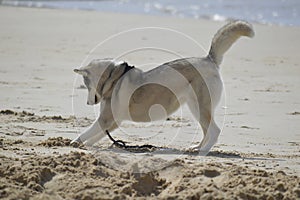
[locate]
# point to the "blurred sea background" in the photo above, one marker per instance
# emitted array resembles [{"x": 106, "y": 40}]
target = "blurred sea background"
[{"x": 278, "y": 12}]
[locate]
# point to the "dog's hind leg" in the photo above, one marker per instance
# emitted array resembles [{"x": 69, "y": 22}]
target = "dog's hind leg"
[
  {"x": 211, "y": 136},
  {"x": 202, "y": 109},
  {"x": 210, "y": 129}
]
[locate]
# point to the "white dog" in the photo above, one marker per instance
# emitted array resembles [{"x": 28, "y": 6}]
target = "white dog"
[{"x": 127, "y": 93}]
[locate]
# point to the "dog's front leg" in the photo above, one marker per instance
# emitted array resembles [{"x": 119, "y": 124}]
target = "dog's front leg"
[
  {"x": 97, "y": 131},
  {"x": 99, "y": 136},
  {"x": 93, "y": 130}
]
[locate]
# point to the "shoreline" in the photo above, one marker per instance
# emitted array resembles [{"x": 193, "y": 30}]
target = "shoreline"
[{"x": 213, "y": 17}]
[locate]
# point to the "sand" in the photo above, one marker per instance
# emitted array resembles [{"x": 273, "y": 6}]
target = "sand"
[{"x": 43, "y": 106}]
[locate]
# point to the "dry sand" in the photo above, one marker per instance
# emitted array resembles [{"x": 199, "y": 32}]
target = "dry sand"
[{"x": 43, "y": 107}]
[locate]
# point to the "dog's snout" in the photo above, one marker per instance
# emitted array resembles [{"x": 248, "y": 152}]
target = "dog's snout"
[{"x": 92, "y": 101}]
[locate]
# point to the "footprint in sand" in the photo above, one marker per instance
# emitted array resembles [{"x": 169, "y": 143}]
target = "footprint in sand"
[{"x": 211, "y": 173}]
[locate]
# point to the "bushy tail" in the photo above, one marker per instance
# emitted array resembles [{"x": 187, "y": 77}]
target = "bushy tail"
[{"x": 226, "y": 36}]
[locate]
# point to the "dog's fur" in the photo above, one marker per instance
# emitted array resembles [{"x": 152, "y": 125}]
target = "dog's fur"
[{"x": 127, "y": 93}]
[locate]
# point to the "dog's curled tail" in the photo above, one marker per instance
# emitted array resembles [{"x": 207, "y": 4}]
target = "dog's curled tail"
[{"x": 226, "y": 36}]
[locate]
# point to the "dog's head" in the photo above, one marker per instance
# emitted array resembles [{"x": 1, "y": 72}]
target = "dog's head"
[{"x": 100, "y": 77}]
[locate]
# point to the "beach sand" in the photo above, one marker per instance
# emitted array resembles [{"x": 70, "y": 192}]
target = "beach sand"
[{"x": 43, "y": 107}]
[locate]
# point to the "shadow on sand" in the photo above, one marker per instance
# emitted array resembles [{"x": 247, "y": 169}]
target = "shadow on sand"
[{"x": 173, "y": 151}]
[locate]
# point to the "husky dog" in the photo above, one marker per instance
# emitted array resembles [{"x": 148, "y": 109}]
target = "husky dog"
[{"x": 128, "y": 93}]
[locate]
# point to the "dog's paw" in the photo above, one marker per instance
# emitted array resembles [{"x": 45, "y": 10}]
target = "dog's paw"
[
  {"x": 76, "y": 140},
  {"x": 192, "y": 149},
  {"x": 197, "y": 149}
]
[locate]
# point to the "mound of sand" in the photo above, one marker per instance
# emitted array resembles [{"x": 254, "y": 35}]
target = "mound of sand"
[{"x": 79, "y": 175}]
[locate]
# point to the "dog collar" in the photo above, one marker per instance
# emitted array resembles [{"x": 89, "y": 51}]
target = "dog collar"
[{"x": 127, "y": 68}]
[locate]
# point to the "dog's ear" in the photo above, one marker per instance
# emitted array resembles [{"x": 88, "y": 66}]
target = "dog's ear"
[
  {"x": 115, "y": 74},
  {"x": 81, "y": 72}
]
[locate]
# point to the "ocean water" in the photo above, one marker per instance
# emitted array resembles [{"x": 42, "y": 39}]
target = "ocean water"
[{"x": 279, "y": 12}]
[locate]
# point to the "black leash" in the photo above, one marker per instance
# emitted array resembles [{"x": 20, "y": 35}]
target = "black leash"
[{"x": 138, "y": 148}]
